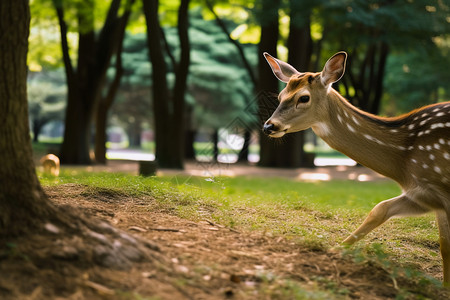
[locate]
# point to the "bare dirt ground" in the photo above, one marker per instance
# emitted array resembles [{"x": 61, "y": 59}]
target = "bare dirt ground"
[{"x": 193, "y": 260}]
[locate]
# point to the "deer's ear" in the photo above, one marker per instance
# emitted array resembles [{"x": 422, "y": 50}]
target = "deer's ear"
[
  {"x": 334, "y": 69},
  {"x": 283, "y": 71}
]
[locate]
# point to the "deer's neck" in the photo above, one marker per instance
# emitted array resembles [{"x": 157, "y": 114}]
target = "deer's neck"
[{"x": 377, "y": 143}]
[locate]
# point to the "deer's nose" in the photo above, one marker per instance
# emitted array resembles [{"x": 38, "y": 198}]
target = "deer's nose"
[{"x": 268, "y": 128}]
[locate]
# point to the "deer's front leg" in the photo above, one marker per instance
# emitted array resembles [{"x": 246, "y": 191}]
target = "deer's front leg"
[
  {"x": 398, "y": 206},
  {"x": 444, "y": 240}
]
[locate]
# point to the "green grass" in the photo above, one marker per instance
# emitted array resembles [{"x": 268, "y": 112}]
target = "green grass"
[{"x": 329, "y": 210}]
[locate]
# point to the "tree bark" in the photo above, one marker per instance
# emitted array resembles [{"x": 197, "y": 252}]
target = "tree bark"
[
  {"x": 266, "y": 81},
  {"x": 23, "y": 204},
  {"x": 169, "y": 112}
]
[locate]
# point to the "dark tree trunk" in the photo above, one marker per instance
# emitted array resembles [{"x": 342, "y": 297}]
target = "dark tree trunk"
[
  {"x": 85, "y": 83},
  {"x": 23, "y": 204},
  {"x": 288, "y": 152},
  {"x": 243, "y": 154},
  {"x": 106, "y": 102},
  {"x": 37, "y": 127},
  {"x": 168, "y": 111},
  {"x": 215, "y": 140},
  {"x": 266, "y": 81},
  {"x": 189, "y": 150},
  {"x": 101, "y": 121}
]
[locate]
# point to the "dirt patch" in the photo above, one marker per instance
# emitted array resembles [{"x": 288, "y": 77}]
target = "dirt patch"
[{"x": 195, "y": 260}]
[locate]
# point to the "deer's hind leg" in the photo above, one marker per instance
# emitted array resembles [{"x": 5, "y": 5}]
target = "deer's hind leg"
[
  {"x": 444, "y": 239},
  {"x": 383, "y": 211}
]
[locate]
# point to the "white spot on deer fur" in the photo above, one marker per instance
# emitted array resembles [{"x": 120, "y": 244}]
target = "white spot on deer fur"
[
  {"x": 437, "y": 125},
  {"x": 421, "y": 147},
  {"x": 410, "y": 127},
  {"x": 369, "y": 137},
  {"x": 427, "y": 131},
  {"x": 321, "y": 129},
  {"x": 424, "y": 115},
  {"x": 401, "y": 148},
  {"x": 437, "y": 169},
  {"x": 436, "y": 109},
  {"x": 423, "y": 122},
  {"x": 446, "y": 156},
  {"x": 425, "y": 166},
  {"x": 51, "y": 228},
  {"x": 432, "y": 157},
  {"x": 420, "y": 133},
  {"x": 379, "y": 142},
  {"x": 414, "y": 161},
  {"x": 429, "y": 147},
  {"x": 410, "y": 147},
  {"x": 355, "y": 120},
  {"x": 340, "y": 118},
  {"x": 394, "y": 130},
  {"x": 351, "y": 128},
  {"x": 440, "y": 114},
  {"x": 437, "y": 146},
  {"x": 447, "y": 124},
  {"x": 442, "y": 141}
]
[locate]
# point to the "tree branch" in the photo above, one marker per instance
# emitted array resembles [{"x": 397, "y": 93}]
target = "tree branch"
[
  {"x": 64, "y": 44},
  {"x": 224, "y": 28}
]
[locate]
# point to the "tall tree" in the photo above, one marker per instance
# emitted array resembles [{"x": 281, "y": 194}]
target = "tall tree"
[
  {"x": 169, "y": 104},
  {"x": 86, "y": 81},
  {"x": 268, "y": 18},
  {"x": 23, "y": 204},
  {"x": 25, "y": 211}
]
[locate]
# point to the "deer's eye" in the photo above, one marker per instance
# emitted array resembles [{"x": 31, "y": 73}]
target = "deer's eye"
[{"x": 303, "y": 99}]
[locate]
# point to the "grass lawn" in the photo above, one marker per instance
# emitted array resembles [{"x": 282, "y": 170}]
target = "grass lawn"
[{"x": 318, "y": 214}]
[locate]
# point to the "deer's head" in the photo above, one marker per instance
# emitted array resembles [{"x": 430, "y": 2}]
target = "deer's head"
[{"x": 303, "y": 100}]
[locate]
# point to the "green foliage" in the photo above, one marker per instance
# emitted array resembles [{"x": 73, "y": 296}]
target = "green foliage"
[
  {"x": 218, "y": 81},
  {"x": 414, "y": 79}
]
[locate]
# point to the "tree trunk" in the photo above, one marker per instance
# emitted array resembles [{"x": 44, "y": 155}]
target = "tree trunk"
[
  {"x": 266, "y": 81},
  {"x": 22, "y": 202},
  {"x": 106, "y": 102},
  {"x": 85, "y": 83},
  {"x": 101, "y": 120},
  {"x": 168, "y": 111},
  {"x": 215, "y": 140},
  {"x": 189, "y": 149},
  {"x": 287, "y": 153},
  {"x": 243, "y": 154}
]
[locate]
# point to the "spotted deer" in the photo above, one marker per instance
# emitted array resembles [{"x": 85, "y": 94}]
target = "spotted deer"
[{"x": 412, "y": 149}]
